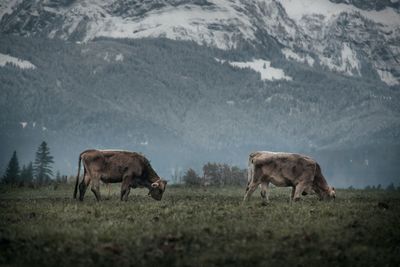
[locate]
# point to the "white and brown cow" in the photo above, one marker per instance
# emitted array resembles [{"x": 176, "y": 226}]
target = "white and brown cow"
[{"x": 300, "y": 172}]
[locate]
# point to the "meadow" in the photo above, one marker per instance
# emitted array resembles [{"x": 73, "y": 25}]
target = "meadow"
[{"x": 198, "y": 227}]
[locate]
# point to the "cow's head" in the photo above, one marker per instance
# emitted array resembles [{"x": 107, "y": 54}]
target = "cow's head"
[
  {"x": 157, "y": 189},
  {"x": 332, "y": 192},
  {"x": 327, "y": 194}
]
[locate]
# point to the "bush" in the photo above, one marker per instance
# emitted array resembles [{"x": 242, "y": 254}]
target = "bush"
[
  {"x": 223, "y": 174},
  {"x": 391, "y": 187},
  {"x": 191, "y": 178}
]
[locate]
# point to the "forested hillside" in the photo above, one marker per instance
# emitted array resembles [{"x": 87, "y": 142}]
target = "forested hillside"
[{"x": 180, "y": 105}]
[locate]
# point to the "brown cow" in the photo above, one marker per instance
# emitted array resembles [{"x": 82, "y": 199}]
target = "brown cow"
[
  {"x": 300, "y": 172},
  {"x": 113, "y": 166}
]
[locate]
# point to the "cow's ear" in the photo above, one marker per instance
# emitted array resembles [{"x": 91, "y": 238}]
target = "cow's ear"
[
  {"x": 155, "y": 185},
  {"x": 333, "y": 188}
]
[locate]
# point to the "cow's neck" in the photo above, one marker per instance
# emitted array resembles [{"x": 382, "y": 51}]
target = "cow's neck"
[
  {"x": 152, "y": 176},
  {"x": 321, "y": 187}
]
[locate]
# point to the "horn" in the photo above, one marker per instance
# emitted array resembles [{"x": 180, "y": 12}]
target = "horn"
[{"x": 155, "y": 185}]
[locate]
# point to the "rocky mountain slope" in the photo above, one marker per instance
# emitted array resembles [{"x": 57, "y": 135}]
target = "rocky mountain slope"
[{"x": 357, "y": 38}]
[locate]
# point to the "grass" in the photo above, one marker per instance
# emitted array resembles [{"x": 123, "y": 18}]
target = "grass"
[{"x": 198, "y": 227}]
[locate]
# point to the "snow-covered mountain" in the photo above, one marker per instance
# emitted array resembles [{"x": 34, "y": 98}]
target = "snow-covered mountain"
[{"x": 356, "y": 38}]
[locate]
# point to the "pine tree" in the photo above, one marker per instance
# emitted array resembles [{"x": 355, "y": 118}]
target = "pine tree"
[
  {"x": 22, "y": 174},
  {"x": 11, "y": 175},
  {"x": 27, "y": 174},
  {"x": 42, "y": 165}
]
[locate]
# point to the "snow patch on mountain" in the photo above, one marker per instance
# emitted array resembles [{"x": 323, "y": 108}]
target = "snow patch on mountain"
[
  {"x": 23, "y": 64},
  {"x": 106, "y": 57},
  {"x": 297, "y": 9},
  {"x": 342, "y": 35},
  {"x": 119, "y": 57},
  {"x": 7, "y": 6},
  {"x": 347, "y": 62},
  {"x": 291, "y": 55},
  {"x": 264, "y": 68},
  {"x": 388, "y": 77},
  {"x": 188, "y": 22},
  {"x": 144, "y": 143}
]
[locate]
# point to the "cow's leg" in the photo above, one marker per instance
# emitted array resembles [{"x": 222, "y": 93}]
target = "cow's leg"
[
  {"x": 126, "y": 194},
  {"x": 251, "y": 187},
  {"x": 125, "y": 188},
  {"x": 292, "y": 194},
  {"x": 108, "y": 186},
  {"x": 254, "y": 181},
  {"x": 264, "y": 192},
  {"x": 306, "y": 182},
  {"x": 109, "y": 190},
  {"x": 83, "y": 186},
  {"x": 300, "y": 187},
  {"x": 96, "y": 188}
]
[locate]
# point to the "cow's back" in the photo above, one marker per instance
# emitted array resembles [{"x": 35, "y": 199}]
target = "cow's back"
[
  {"x": 283, "y": 169},
  {"x": 284, "y": 158},
  {"x": 124, "y": 161},
  {"x": 93, "y": 160},
  {"x": 112, "y": 165}
]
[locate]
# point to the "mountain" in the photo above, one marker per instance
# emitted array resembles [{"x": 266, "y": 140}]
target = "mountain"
[
  {"x": 357, "y": 38},
  {"x": 187, "y": 82},
  {"x": 185, "y": 109}
]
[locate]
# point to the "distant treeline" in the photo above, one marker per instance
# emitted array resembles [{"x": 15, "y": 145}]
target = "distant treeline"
[
  {"x": 390, "y": 187},
  {"x": 219, "y": 174},
  {"x": 215, "y": 174},
  {"x": 39, "y": 173}
]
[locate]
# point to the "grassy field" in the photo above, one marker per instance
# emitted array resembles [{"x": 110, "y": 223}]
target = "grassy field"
[{"x": 198, "y": 227}]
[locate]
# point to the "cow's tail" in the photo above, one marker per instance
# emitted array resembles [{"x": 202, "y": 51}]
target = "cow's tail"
[
  {"x": 77, "y": 176},
  {"x": 250, "y": 176},
  {"x": 250, "y": 169}
]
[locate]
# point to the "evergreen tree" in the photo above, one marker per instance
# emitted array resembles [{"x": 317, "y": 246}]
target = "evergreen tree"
[
  {"x": 42, "y": 165},
  {"x": 11, "y": 175},
  {"x": 27, "y": 174}
]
